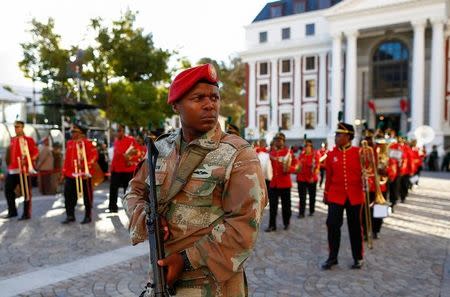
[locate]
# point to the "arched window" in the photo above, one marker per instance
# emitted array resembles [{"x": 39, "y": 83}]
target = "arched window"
[{"x": 390, "y": 70}]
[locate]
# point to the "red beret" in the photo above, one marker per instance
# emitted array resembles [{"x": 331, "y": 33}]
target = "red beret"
[{"x": 184, "y": 81}]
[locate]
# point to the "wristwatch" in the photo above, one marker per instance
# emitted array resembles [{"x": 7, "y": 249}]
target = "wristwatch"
[{"x": 187, "y": 264}]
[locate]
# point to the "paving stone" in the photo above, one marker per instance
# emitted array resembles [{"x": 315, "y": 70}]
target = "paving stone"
[{"x": 410, "y": 259}]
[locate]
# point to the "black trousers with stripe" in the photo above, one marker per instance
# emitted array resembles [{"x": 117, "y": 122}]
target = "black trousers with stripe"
[
  {"x": 11, "y": 182},
  {"x": 335, "y": 220},
  {"x": 70, "y": 196}
]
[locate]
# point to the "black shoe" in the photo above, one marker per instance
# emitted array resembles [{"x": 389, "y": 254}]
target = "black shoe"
[
  {"x": 68, "y": 220},
  {"x": 8, "y": 216},
  {"x": 375, "y": 235},
  {"x": 301, "y": 215},
  {"x": 286, "y": 227},
  {"x": 357, "y": 264},
  {"x": 22, "y": 218},
  {"x": 112, "y": 210},
  {"x": 86, "y": 221},
  {"x": 270, "y": 229},
  {"x": 329, "y": 263},
  {"x": 311, "y": 214}
]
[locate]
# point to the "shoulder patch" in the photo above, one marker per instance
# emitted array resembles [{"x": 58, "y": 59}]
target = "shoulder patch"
[{"x": 235, "y": 141}]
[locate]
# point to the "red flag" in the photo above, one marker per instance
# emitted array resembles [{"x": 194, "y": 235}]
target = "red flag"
[
  {"x": 404, "y": 106},
  {"x": 371, "y": 104}
]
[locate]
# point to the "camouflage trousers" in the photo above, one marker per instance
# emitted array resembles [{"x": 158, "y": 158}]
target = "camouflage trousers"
[{"x": 236, "y": 286}]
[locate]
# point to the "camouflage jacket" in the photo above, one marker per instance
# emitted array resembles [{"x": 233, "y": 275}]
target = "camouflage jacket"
[{"x": 215, "y": 218}]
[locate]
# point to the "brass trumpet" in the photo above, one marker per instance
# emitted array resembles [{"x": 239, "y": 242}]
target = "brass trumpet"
[{"x": 287, "y": 161}]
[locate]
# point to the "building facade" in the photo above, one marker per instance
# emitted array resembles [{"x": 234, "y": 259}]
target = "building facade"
[{"x": 383, "y": 63}]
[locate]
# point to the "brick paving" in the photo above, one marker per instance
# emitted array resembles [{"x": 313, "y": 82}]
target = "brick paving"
[{"x": 412, "y": 257}]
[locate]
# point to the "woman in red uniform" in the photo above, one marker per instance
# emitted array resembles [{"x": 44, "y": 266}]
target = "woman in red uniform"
[{"x": 308, "y": 166}]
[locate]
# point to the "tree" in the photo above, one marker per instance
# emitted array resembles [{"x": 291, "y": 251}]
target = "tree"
[
  {"x": 232, "y": 89},
  {"x": 122, "y": 71}
]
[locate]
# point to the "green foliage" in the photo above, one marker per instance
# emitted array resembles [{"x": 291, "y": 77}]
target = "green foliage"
[
  {"x": 122, "y": 72},
  {"x": 232, "y": 90}
]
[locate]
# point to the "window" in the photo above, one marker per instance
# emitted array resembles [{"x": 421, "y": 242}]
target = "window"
[
  {"x": 286, "y": 66},
  {"x": 299, "y": 6},
  {"x": 310, "y": 91},
  {"x": 276, "y": 10},
  {"x": 310, "y": 120},
  {"x": 310, "y": 63},
  {"x": 310, "y": 30},
  {"x": 263, "y": 92},
  {"x": 286, "y": 33},
  {"x": 390, "y": 70},
  {"x": 286, "y": 121},
  {"x": 263, "y": 68},
  {"x": 286, "y": 90},
  {"x": 263, "y": 122},
  {"x": 262, "y": 37}
]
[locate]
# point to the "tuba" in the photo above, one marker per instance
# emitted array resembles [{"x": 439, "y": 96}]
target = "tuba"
[{"x": 382, "y": 161}]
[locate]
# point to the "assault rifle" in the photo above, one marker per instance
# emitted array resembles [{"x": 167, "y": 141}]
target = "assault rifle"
[{"x": 155, "y": 233}]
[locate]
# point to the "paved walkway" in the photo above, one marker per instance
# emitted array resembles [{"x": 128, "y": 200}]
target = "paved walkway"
[{"x": 412, "y": 257}]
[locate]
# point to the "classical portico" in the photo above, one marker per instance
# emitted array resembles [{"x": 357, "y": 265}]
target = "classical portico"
[{"x": 352, "y": 20}]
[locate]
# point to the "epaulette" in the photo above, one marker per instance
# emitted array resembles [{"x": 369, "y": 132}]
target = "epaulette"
[{"x": 236, "y": 141}]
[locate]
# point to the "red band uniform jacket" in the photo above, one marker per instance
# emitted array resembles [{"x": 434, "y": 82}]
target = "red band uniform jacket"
[
  {"x": 71, "y": 155},
  {"x": 15, "y": 152},
  {"x": 308, "y": 167},
  {"x": 343, "y": 176},
  {"x": 119, "y": 163},
  {"x": 281, "y": 179}
]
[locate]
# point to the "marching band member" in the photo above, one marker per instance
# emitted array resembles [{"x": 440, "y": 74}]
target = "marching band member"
[
  {"x": 308, "y": 166},
  {"x": 395, "y": 159},
  {"x": 381, "y": 166},
  {"x": 122, "y": 165},
  {"x": 416, "y": 160},
  {"x": 22, "y": 152},
  {"x": 344, "y": 190},
  {"x": 283, "y": 164},
  {"x": 405, "y": 168},
  {"x": 80, "y": 156}
]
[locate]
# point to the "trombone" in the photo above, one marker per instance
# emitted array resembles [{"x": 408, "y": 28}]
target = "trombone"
[
  {"x": 23, "y": 178},
  {"x": 370, "y": 168},
  {"x": 80, "y": 161},
  {"x": 23, "y": 170}
]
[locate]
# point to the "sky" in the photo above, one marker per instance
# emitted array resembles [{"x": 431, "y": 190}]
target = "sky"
[{"x": 196, "y": 28}]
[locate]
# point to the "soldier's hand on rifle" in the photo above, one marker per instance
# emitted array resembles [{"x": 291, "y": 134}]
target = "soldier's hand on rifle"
[
  {"x": 175, "y": 265},
  {"x": 165, "y": 228}
]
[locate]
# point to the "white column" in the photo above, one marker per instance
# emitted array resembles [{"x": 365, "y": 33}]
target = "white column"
[
  {"x": 350, "y": 78},
  {"x": 297, "y": 95},
  {"x": 252, "y": 96},
  {"x": 437, "y": 76},
  {"x": 322, "y": 90},
  {"x": 336, "y": 81},
  {"x": 274, "y": 95},
  {"x": 417, "y": 103}
]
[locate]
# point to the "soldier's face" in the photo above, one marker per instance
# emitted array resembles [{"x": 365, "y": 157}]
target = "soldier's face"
[
  {"x": 199, "y": 108},
  {"x": 341, "y": 139}
]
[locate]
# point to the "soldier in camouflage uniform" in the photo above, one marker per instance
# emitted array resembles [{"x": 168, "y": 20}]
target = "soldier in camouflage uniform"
[{"x": 214, "y": 219}]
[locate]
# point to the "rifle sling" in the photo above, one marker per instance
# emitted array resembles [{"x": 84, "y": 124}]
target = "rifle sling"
[{"x": 195, "y": 157}]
